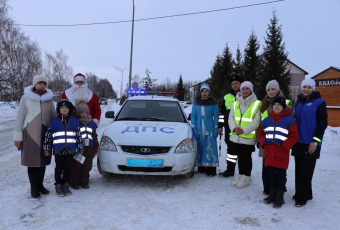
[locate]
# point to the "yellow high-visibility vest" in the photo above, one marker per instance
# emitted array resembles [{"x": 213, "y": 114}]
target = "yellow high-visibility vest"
[
  {"x": 246, "y": 118},
  {"x": 229, "y": 100}
]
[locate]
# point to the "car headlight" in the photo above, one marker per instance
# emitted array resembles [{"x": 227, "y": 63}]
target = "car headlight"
[
  {"x": 107, "y": 144},
  {"x": 185, "y": 146}
]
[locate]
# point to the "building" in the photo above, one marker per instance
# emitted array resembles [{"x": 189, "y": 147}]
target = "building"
[
  {"x": 328, "y": 84},
  {"x": 297, "y": 76}
]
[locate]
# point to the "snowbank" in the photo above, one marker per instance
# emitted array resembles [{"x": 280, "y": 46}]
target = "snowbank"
[{"x": 8, "y": 111}]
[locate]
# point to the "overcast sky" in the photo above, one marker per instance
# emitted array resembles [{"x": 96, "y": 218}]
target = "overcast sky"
[{"x": 181, "y": 45}]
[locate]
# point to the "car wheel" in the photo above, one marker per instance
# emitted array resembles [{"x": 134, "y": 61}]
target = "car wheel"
[
  {"x": 190, "y": 174},
  {"x": 101, "y": 171}
]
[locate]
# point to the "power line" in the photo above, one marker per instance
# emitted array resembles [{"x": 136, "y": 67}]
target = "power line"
[{"x": 154, "y": 18}]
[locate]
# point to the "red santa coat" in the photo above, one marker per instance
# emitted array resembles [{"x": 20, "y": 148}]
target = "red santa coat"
[
  {"x": 92, "y": 102},
  {"x": 278, "y": 155}
]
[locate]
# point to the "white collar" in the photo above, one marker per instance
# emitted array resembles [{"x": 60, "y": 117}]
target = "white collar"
[{"x": 28, "y": 92}]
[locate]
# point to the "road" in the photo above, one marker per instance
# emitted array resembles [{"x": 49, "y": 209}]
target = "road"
[{"x": 9, "y": 155}]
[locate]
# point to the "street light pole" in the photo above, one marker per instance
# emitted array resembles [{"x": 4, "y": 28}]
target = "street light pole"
[
  {"x": 133, "y": 20},
  {"x": 121, "y": 84}
]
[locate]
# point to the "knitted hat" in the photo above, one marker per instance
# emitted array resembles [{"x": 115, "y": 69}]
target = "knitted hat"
[
  {"x": 235, "y": 78},
  {"x": 38, "y": 78},
  {"x": 82, "y": 106},
  {"x": 309, "y": 82},
  {"x": 205, "y": 86},
  {"x": 64, "y": 102},
  {"x": 280, "y": 100},
  {"x": 247, "y": 84},
  {"x": 79, "y": 77},
  {"x": 273, "y": 84}
]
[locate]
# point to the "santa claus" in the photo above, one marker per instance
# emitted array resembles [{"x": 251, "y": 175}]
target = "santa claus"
[{"x": 80, "y": 90}]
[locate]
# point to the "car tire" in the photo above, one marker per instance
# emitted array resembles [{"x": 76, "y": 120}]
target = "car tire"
[
  {"x": 101, "y": 171},
  {"x": 190, "y": 174}
]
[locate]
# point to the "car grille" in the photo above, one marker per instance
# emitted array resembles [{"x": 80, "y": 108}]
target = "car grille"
[
  {"x": 145, "y": 150},
  {"x": 144, "y": 169}
]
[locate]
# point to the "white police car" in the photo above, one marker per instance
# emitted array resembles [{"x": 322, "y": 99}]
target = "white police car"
[{"x": 150, "y": 135}]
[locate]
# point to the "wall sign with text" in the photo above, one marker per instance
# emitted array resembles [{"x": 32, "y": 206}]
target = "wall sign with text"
[{"x": 328, "y": 82}]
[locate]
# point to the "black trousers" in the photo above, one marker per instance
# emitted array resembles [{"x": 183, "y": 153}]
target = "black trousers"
[
  {"x": 231, "y": 154},
  {"x": 277, "y": 178},
  {"x": 304, "y": 170},
  {"x": 245, "y": 162},
  {"x": 265, "y": 177},
  {"x": 62, "y": 168}
]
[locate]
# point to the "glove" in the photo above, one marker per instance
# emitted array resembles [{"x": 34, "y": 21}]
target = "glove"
[
  {"x": 215, "y": 133},
  {"x": 195, "y": 133}
]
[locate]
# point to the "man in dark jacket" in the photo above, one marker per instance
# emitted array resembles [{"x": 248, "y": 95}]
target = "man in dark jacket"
[{"x": 227, "y": 103}]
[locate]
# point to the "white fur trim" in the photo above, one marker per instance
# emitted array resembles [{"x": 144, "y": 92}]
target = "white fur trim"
[
  {"x": 79, "y": 78},
  {"x": 96, "y": 121},
  {"x": 36, "y": 97},
  {"x": 70, "y": 96}
]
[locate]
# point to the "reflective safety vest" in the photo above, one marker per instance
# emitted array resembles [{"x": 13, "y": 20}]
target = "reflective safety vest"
[
  {"x": 278, "y": 132},
  {"x": 87, "y": 130},
  {"x": 246, "y": 118},
  {"x": 64, "y": 137},
  {"x": 229, "y": 100},
  {"x": 265, "y": 113}
]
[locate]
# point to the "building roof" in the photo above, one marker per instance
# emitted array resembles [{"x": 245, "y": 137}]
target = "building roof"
[
  {"x": 306, "y": 73},
  {"x": 332, "y": 67}
]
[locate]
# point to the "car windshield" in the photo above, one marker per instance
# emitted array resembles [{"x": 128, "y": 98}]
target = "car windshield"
[{"x": 167, "y": 111}]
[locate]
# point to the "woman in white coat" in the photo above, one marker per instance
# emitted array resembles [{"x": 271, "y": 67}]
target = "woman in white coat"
[{"x": 244, "y": 120}]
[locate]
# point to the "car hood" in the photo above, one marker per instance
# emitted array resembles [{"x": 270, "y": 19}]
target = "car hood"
[{"x": 148, "y": 133}]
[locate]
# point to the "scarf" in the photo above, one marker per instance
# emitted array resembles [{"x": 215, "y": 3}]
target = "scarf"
[
  {"x": 207, "y": 101},
  {"x": 85, "y": 120}
]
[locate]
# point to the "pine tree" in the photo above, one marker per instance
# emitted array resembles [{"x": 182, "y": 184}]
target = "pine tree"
[
  {"x": 238, "y": 68},
  {"x": 180, "y": 89},
  {"x": 274, "y": 59},
  {"x": 251, "y": 63},
  {"x": 220, "y": 73}
]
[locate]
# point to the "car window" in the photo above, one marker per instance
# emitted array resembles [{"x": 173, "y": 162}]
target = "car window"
[{"x": 167, "y": 111}]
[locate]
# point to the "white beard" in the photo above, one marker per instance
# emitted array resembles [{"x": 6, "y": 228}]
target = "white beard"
[{"x": 80, "y": 91}]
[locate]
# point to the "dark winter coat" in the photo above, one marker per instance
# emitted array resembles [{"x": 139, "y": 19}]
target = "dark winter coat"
[
  {"x": 304, "y": 121},
  {"x": 278, "y": 155},
  {"x": 34, "y": 114}
]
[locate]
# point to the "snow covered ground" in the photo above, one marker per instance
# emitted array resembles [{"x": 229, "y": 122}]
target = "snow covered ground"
[{"x": 137, "y": 202}]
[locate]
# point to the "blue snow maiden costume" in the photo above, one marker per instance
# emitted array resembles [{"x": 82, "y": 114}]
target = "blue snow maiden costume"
[{"x": 204, "y": 121}]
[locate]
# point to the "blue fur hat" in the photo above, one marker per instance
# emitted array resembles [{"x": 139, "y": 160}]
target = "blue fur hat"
[{"x": 205, "y": 86}]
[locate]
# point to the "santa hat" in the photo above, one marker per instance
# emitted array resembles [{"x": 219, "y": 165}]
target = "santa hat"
[{"x": 79, "y": 77}]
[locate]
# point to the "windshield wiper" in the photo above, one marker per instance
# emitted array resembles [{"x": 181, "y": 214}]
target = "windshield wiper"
[
  {"x": 152, "y": 119},
  {"x": 128, "y": 118}
]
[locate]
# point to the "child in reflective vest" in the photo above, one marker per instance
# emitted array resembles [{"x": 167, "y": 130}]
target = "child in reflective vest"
[
  {"x": 277, "y": 135},
  {"x": 80, "y": 172},
  {"x": 63, "y": 137}
]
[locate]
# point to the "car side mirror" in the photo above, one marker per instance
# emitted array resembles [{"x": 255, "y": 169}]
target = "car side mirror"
[
  {"x": 189, "y": 117},
  {"x": 110, "y": 114}
]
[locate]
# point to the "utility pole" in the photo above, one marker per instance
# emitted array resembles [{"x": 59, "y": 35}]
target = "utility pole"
[
  {"x": 121, "y": 83},
  {"x": 133, "y": 20}
]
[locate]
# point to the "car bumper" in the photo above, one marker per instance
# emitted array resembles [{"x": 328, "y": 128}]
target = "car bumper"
[{"x": 173, "y": 163}]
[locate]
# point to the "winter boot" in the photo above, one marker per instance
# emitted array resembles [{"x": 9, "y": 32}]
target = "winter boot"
[
  {"x": 201, "y": 169},
  {"x": 237, "y": 179},
  {"x": 59, "y": 190},
  {"x": 85, "y": 186},
  {"x": 244, "y": 182},
  {"x": 67, "y": 191},
  {"x": 226, "y": 174},
  {"x": 40, "y": 177},
  {"x": 33, "y": 181},
  {"x": 270, "y": 199},
  {"x": 279, "y": 199}
]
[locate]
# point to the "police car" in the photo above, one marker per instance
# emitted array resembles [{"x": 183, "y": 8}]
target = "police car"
[{"x": 150, "y": 135}]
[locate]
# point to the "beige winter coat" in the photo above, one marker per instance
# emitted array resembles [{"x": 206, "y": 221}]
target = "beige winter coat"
[
  {"x": 244, "y": 104},
  {"x": 34, "y": 114}
]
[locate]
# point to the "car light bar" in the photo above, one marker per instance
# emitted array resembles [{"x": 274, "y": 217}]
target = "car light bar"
[{"x": 152, "y": 92}]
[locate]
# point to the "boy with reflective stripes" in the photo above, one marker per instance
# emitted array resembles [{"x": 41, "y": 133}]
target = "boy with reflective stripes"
[
  {"x": 80, "y": 173},
  {"x": 63, "y": 136},
  {"x": 277, "y": 135}
]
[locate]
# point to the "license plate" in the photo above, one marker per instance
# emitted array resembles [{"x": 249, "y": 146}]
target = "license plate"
[{"x": 144, "y": 163}]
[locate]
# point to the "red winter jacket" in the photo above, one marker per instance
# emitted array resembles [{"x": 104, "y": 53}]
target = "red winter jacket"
[
  {"x": 92, "y": 102},
  {"x": 276, "y": 155}
]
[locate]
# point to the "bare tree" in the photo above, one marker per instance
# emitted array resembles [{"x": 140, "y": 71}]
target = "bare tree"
[{"x": 92, "y": 81}]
